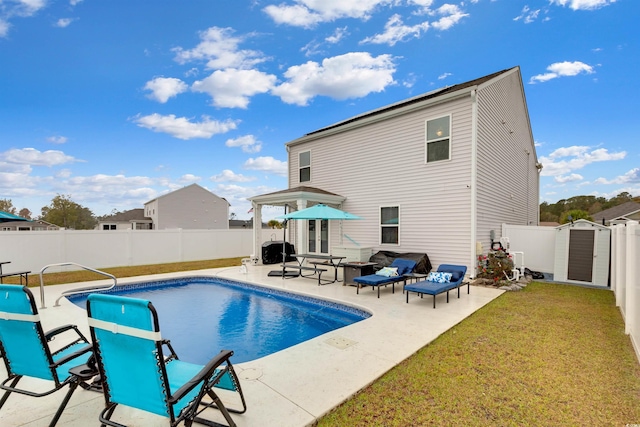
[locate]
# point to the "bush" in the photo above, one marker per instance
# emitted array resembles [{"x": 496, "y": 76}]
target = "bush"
[{"x": 496, "y": 266}]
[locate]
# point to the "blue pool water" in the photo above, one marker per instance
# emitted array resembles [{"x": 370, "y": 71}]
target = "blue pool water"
[{"x": 203, "y": 315}]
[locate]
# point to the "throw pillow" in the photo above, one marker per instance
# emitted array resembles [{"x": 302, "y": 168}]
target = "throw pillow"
[
  {"x": 439, "y": 277},
  {"x": 387, "y": 272}
]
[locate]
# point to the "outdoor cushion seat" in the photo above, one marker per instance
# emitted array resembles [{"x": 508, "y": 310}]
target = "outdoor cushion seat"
[
  {"x": 24, "y": 347},
  {"x": 433, "y": 287},
  {"x": 404, "y": 266}
]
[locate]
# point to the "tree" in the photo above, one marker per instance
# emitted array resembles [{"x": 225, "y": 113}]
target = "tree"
[
  {"x": 6, "y": 205},
  {"x": 575, "y": 214},
  {"x": 25, "y": 213},
  {"x": 64, "y": 212},
  {"x": 273, "y": 223},
  {"x": 232, "y": 215}
]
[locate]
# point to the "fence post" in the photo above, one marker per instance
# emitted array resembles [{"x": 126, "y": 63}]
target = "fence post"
[{"x": 630, "y": 276}]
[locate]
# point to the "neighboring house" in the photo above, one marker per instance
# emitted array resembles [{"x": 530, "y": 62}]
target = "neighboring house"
[
  {"x": 30, "y": 225},
  {"x": 435, "y": 173},
  {"x": 618, "y": 214},
  {"x": 133, "y": 219},
  {"x": 191, "y": 207}
]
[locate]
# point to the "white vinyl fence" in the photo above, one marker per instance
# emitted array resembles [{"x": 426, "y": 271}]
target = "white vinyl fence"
[
  {"x": 32, "y": 250},
  {"x": 537, "y": 243},
  {"x": 625, "y": 276}
]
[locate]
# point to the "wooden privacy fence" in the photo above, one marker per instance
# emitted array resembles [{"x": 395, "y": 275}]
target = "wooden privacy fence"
[{"x": 625, "y": 276}]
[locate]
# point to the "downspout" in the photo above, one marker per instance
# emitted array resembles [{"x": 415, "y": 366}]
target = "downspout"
[{"x": 473, "y": 183}]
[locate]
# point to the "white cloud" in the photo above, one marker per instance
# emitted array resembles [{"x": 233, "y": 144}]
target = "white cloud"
[
  {"x": 583, "y": 4},
  {"x": 220, "y": 49},
  {"x": 451, "y": 15},
  {"x": 231, "y": 88},
  {"x": 163, "y": 88},
  {"x": 563, "y": 179},
  {"x": 248, "y": 143},
  {"x": 563, "y": 69},
  {"x": 396, "y": 31},
  {"x": 267, "y": 164},
  {"x": 308, "y": 13},
  {"x": 184, "y": 128},
  {"x": 4, "y": 27},
  {"x": 64, "y": 22},
  {"x": 527, "y": 15},
  {"x": 352, "y": 75},
  {"x": 631, "y": 177},
  {"x": 189, "y": 178},
  {"x": 57, "y": 139},
  {"x": 21, "y": 8},
  {"x": 31, "y": 156},
  {"x": 337, "y": 35},
  {"x": 444, "y": 76},
  {"x": 228, "y": 175},
  {"x": 556, "y": 163}
]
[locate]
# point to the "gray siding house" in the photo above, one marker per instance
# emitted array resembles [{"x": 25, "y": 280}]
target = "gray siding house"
[
  {"x": 435, "y": 173},
  {"x": 191, "y": 207},
  {"x": 133, "y": 219}
]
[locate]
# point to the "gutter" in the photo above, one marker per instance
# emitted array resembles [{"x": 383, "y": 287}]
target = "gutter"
[{"x": 474, "y": 180}]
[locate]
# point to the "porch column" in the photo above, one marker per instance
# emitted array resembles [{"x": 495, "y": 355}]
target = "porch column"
[
  {"x": 257, "y": 231},
  {"x": 301, "y": 230}
]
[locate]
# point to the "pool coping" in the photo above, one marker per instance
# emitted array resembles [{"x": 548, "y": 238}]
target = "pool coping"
[{"x": 293, "y": 387}]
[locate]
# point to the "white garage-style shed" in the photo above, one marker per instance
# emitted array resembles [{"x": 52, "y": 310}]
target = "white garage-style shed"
[{"x": 582, "y": 253}]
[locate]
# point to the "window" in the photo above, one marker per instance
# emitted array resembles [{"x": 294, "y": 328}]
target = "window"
[
  {"x": 108, "y": 226},
  {"x": 389, "y": 225},
  {"x": 438, "y": 143},
  {"x": 305, "y": 166}
]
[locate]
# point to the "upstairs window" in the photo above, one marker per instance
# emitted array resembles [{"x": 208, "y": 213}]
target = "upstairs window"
[
  {"x": 438, "y": 143},
  {"x": 305, "y": 166},
  {"x": 389, "y": 225}
]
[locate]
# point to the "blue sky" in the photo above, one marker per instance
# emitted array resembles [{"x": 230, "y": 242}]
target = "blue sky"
[{"x": 117, "y": 102}]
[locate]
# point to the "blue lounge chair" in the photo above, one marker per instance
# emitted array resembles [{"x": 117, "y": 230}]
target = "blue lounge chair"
[
  {"x": 404, "y": 266},
  {"x": 137, "y": 373},
  {"x": 434, "y": 288},
  {"x": 24, "y": 347}
]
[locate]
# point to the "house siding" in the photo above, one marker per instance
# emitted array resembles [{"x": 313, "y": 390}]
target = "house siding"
[
  {"x": 507, "y": 178},
  {"x": 383, "y": 164},
  {"x": 191, "y": 207}
]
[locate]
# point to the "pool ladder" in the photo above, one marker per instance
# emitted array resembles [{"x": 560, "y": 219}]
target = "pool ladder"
[{"x": 77, "y": 290}]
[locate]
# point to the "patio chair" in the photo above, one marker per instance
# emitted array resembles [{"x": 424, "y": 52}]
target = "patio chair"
[
  {"x": 137, "y": 373},
  {"x": 402, "y": 266},
  {"x": 437, "y": 283},
  {"x": 24, "y": 347}
]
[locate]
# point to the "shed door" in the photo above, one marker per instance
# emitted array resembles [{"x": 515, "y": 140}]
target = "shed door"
[{"x": 581, "y": 255}]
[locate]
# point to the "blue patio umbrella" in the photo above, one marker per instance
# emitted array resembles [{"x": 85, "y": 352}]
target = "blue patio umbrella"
[
  {"x": 6, "y": 216},
  {"x": 319, "y": 212}
]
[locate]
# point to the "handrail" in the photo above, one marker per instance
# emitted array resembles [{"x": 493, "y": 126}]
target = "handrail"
[{"x": 77, "y": 290}]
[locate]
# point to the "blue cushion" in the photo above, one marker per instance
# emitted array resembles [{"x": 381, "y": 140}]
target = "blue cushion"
[
  {"x": 404, "y": 266},
  {"x": 439, "y": 277},
  {"x": 374, "y": 279},
  {"x": 456, "y": 275}
]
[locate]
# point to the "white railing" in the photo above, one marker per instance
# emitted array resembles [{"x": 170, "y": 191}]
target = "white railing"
[
  {"x": 76, "y": 290},
  {"x": 625, "y": 276}
]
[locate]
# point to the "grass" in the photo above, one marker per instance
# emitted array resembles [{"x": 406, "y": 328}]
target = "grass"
[
  {"x": 550, "y": 355},
  {"x": 120, "y": 272}
]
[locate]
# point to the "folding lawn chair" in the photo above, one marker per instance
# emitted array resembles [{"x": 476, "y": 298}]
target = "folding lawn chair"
[
  {"x": 136, "y": 373},
  {"x": 24, "y": 347}
]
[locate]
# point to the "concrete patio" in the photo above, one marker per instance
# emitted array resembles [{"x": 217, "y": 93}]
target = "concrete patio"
[{"x": 293, "y": 387}]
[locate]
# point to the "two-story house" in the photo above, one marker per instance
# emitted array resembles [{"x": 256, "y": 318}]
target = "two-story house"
[{"x": 437, "y": 173}]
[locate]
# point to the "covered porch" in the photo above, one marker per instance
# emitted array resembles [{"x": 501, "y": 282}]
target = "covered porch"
[{"x": 298, "y": 232}]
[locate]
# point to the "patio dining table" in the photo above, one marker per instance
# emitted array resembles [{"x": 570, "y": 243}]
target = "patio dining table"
[{"x": 319, "y": 259}]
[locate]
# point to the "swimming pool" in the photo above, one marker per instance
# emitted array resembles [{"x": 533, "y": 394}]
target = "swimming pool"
[{"x": 202, "y": 315}]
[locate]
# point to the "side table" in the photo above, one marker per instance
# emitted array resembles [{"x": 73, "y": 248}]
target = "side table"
[{"x": 351, "y": 270}]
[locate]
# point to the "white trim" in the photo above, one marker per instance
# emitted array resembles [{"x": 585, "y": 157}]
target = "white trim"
[
  {"x": 19, "y": 317},
  {"x": 380, "y": 225},
  {"x": 300, "y": 167},
  {"x": 474, "y": 182},
  {"x": 124, "y": 330},
  {"x": 427, "y": 141}
]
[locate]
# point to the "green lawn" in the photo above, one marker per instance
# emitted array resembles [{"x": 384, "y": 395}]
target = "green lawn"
[{"x": 550, "y": 355}]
